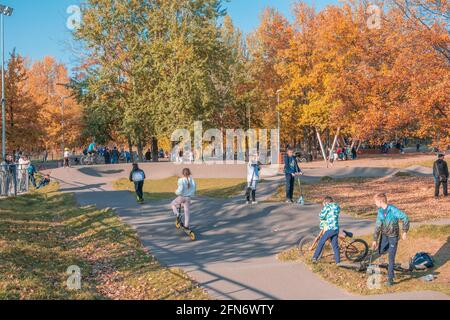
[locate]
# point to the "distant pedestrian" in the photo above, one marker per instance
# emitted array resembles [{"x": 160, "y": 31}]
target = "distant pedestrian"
[
  {"x": 66, "y": 158},
  {"x": 107, "y": 156},
  {"x": 148, "y": 155},
  {"x": 291, "y": 171},
  {"x": 115, "y": 155},
  {"x": 253, "y": 176},
  {"x": 137, "y": 176},
  {"x": 441, "y": 174},
  {"x": 11, "y": 176},
  {"x": 31, "y": 172}
]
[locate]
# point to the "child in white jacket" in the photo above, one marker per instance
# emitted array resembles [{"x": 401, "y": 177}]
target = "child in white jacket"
[
  {"x": 186, "y": 190},
  {"x": 253, "y": 176}
]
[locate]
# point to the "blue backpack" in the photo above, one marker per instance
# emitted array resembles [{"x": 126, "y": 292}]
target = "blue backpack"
[{"x": 422, "y": 261}]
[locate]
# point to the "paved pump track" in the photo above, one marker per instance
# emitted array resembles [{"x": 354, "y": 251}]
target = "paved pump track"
[{"x": 235, "y": 255}]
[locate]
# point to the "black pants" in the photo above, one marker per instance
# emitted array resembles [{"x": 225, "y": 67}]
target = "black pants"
[
  {"x": 252, "y": 194},
  {"x": 139, "y": 186},
  {"x": 290, "y": 182},
  {"x": 437, "y": 188}
]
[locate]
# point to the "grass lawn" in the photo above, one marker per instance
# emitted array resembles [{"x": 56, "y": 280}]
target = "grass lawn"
[
  {"x": 414, "y": 195},
  {"x": 432, "y": 239},
  {"x": 165, "y": 189},
  {"x": 43, "y": 233}
]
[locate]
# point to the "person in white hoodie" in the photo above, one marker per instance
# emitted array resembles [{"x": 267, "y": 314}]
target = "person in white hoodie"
[
  {"x": 186, "y": 190},
  {"x": 253, "y": 176}
]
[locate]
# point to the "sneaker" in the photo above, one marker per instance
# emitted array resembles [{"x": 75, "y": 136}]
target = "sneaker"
[
  {"x": 255, "y": 202},
  {"x": 248, "y": 202},
  {"x": 314, "y": 261},
  {"x": 289, "y": 201},
  {"x": 389, "y": 283}
]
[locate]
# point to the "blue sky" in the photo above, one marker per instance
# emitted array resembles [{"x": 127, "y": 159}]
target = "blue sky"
[{"x": 38, "y": 27}]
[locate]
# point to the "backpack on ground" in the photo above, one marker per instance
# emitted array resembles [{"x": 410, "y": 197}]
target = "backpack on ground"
[{"x": 421, "y": 261}]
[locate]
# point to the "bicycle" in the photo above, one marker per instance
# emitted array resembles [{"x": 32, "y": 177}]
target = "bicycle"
[
  {"x": 92, "y": 159},
  {"x": 354, "y": 250}
]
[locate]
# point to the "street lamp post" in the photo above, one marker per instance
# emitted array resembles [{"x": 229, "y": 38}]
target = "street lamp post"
[{"x": 4, "y": 11}]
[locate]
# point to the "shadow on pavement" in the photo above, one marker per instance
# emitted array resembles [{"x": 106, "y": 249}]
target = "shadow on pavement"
[{"x": 230, "y": 235}]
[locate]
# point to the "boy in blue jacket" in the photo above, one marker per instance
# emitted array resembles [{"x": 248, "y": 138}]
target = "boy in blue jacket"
[
  {"x": 329, "y": 224},
  {"x": 291, "y": 171},
  {"x": 387, "y": 231}
]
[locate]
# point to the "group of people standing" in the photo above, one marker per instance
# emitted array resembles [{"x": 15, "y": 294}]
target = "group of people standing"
[{"x": 15, "y": 175}]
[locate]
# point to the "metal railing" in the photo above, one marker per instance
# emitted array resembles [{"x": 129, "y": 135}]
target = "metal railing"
[{"x": 14, "y": 180}]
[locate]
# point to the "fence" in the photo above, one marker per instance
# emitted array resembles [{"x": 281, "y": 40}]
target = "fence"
[{"x": 14, "y": 180}]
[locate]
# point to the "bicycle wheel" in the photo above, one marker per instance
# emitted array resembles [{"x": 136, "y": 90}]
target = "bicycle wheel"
[
  {"x": 357, "y": 250},
  {"x": 306, "y": 246}
]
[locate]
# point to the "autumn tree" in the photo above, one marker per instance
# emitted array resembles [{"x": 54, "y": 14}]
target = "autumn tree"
[
  {"x": 266, "y": 46},
  {"x": 60, "y": 115},
  {"x": 154, "y": 65},
  {"x": 23, "y": 123}
]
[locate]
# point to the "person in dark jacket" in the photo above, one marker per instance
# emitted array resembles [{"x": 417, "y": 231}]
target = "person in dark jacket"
[
  {"x": 148, "y": 155},
  {"x": 387, "y": 231},
  {"x": 11, "y": 177},
  {"x": 440, "y": 173},
  {"x": 291, "y": 171},
  {"x": 115, "y": 155},
  {"x": 107, "y": 156},
  {"x": 137, "y": 176}
]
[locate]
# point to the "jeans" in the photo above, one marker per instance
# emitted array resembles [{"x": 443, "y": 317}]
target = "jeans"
[
  {"x": 389, "y": 244},
  {"x": 13, "y": 176},
  {"x": 43, "y": 183},
  {"x": 290, "y": 182},
  {"x": 332, "y": 235},
  {"x": 437, "y": 187},
  {"x": 139, "y": 186},
  {"x": 32, "y": 180}
]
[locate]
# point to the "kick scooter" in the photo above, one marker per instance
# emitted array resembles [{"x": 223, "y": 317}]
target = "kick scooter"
[{"x": 180, "y": 225}]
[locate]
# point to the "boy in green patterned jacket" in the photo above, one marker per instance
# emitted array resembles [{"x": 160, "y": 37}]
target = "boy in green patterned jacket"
[{"x": 329, "y": 223}]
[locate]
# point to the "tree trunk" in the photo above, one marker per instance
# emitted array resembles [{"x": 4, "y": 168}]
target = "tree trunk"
[
  {"x": 314, "y": 144},
  {"x": 130, "y": 148},
  {"x": 155, "y": 150},
  {"x": 140, "y": 151},
  {"x": 359, "y": 146},
  {"x": 322, "y": 148},
  {"x": 334, "y": 142}
]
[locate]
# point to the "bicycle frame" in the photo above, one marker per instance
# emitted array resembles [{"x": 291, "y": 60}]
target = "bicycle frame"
[{"x": 344, "y": 243}]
